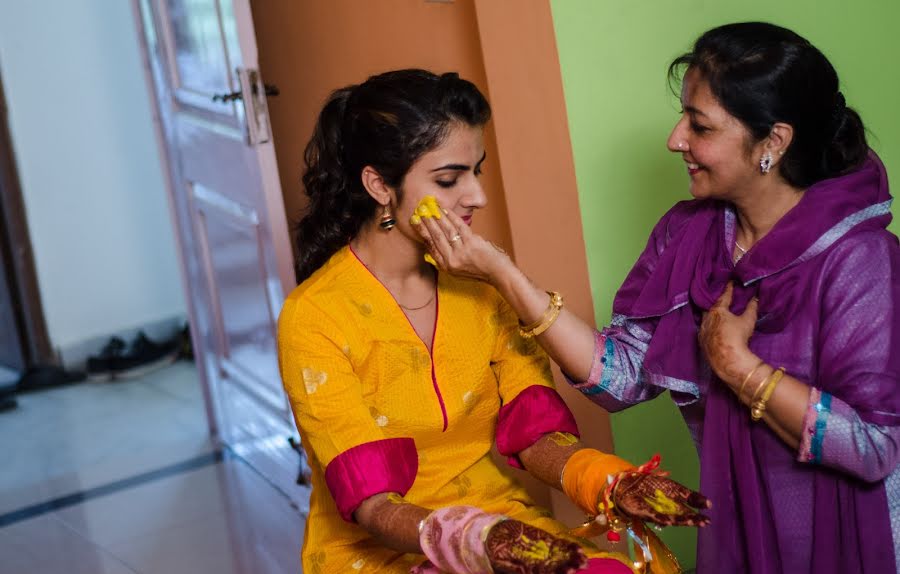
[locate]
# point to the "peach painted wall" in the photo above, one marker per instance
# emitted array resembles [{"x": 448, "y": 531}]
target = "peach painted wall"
[
  {"x": 309, "y": 48},
  {"x": 506, "y": 48},
  {"x": 525, "y": 84}
]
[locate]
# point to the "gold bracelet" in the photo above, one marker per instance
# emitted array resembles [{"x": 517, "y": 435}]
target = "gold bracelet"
[
  {"x": 760, "y": 388},
  {"x": 740, "y": 392},
  {"x": 759, "y": 407},
  {"x": 547, "y": 319}
]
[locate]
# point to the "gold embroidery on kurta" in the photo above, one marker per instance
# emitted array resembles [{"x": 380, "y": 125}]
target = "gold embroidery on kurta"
[{"x": 313, "y": 379}]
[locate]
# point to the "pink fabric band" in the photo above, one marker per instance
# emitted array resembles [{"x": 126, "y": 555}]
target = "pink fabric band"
[
  {"x": 388, "y": 465},
  {"x": 453, "y": 540},
  {"x": 536, "y": 411},
  {"x": 804, "y": 454}
]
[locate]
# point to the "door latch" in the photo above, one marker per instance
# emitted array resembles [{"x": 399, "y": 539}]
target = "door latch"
[{"x": 253, "y": 94}]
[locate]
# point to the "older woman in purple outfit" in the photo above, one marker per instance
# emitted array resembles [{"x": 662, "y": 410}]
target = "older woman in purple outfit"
[{"x": 769, "y": 305}]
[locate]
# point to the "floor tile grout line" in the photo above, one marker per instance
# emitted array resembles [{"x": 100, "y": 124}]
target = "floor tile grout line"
[
  {"x": 268, "y": 481},
  {"x": 79, "y": 497},
  {"x": 93, "y": 543}
]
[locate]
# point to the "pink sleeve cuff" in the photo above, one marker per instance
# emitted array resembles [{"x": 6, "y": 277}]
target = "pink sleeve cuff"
[
  {"x": 388, "y": 465},
  {"x": 536, "y": 411},
  {"x": 805, "y": 454}
]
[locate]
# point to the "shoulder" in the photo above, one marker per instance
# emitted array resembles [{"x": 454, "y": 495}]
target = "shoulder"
[
  {"x": 470, "y": 291},
  {"x": 319, "y": 298},
  {"x": 683, "y": 212},
  {"x": 870, "y": 252},
  {"x": 475, "y": 304},
  {"x": 671, "y": 225},
  {"x": 862, "y": 269}
]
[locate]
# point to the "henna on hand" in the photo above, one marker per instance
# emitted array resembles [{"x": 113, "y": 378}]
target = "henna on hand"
[
  {"x": 724, "y": 337},
  {"x": 514, "y": 547},
  {"x": 660, "y": 500}
]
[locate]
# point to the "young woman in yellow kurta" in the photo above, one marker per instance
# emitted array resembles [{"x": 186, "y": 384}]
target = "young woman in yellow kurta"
[
  {"x": 358, "y": 374},
  {"x": 401, "y": 379}
]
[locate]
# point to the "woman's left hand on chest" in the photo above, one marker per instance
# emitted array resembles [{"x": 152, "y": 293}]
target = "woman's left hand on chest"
[{"x": 724, "y": 338}]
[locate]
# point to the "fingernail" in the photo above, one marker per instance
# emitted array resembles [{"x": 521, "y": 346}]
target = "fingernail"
[
  {"x": 423, "y": 211},
  {"x": 415, "y": 219},
  {"x": 430, "y": 259}
]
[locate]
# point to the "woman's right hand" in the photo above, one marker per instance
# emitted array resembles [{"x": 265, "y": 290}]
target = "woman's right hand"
[
  {"x": 467, "y": 540},
  {"x": 457, "y": 249}
]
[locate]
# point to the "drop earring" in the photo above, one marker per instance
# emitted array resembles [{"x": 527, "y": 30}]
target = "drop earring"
[
  {"x": 765, "y": 162},
  {"x": 388, "y": 221}
]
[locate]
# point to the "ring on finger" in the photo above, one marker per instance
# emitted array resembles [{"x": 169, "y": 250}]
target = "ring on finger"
[{"x": 455, "y": 238}]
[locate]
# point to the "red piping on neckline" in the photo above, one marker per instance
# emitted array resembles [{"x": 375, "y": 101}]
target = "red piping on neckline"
[{"x": 437, "y": 307}]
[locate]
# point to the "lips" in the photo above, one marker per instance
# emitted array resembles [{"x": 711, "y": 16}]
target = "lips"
[
  {"x": 467, "y": 219},
  {"x": 693, "y": 168}
]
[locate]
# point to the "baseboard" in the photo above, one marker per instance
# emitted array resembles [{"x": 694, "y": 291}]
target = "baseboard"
[{"x": 74, "y": 356}]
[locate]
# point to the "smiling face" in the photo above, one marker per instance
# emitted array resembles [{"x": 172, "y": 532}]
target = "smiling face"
[
  {"x": 450, "y": 172},
  {"x": 722, "y": 158}
]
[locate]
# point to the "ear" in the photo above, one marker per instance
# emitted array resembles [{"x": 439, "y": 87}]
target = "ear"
[
  {"x": 376, "y": 186},
  {"x": 779, "y": 140}
]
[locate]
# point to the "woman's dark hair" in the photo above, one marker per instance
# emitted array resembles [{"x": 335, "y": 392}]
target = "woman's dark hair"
[
  {"x": 762, "y": 74},
  {"x": 387, "y": 122}
]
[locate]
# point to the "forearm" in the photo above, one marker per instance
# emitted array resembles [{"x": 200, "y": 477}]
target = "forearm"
[
  {"x": 569, "y": 342},
  {"x": 547, "y": 457},
  {"x": 392, "y": 521},
  {"x": 786, "y": 406}
]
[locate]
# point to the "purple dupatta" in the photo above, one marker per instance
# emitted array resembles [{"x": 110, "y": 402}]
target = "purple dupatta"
[{"x": 745, "y": 469}]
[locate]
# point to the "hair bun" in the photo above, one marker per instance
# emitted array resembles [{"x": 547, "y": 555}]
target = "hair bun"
[{"x": 838, "y": 111}]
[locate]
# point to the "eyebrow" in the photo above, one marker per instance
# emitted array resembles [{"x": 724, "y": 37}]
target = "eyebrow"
[
  {"x": 460, "y": 166},
  {"x": 695, "y": 111}
]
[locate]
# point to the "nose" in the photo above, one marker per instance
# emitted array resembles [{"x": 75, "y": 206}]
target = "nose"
[
  {"x": 475, "y": 198},
  {"x": 678, "y": 141}
]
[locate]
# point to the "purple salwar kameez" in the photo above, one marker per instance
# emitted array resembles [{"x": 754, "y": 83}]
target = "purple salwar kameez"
[{"x": 828, "y": 281}]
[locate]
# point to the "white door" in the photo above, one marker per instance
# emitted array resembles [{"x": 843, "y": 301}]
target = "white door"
[{"x": 229, "y": 213}]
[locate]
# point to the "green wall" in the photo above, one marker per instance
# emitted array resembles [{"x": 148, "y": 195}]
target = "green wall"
[{"x": 614, "y": 56}]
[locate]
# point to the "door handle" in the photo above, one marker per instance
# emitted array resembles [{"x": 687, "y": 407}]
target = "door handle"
[{"x": 270, "y": 89}]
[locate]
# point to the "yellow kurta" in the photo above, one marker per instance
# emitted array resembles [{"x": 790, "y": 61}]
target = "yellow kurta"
[{"x": 357, "y": 373}]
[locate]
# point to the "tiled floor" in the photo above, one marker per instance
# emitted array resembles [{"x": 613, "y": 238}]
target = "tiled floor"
[{"x": 121, "y": 478}]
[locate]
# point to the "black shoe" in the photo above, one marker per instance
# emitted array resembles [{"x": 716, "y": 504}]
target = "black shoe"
[
  {"x": 143, "y": 356},
  {"x": 185, "y": 345},
  {"x": 47, "y": 377},
  {"x": 8, "y": 398},
  {"x": 99, "y": 367}
]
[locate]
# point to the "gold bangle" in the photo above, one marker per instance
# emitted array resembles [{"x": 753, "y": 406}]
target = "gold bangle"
[
  {"x": 759, "y": 407},
  {"x": 760, "y": 388},
  {"x": 554, "y": 296},
  {"x": 547, "y": 319},
  {"x": 740, "y": 392}
]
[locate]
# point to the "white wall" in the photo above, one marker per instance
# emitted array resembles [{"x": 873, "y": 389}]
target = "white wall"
[{"x": 89, "y": 167}]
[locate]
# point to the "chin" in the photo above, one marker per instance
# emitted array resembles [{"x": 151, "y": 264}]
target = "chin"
[{"x": 699, "y": 192}]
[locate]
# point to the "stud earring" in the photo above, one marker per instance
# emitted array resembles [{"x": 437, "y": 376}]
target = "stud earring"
[
  {"x": 388, "y": 221},
  {"x": 765, "y": 162}
]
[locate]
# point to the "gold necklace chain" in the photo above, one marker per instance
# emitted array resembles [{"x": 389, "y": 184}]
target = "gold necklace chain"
[
  {"x": 741, "y": 254},
  {"x": 426, "y": 304}
]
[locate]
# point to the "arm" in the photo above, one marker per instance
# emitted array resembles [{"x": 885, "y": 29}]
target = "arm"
[
  {"x": 536, "y": 431},
  {"x": 366, "y": 472},
  {"x": 392, "y": 521},
  {"x": 569, "y": 342},
  {"x": 854, "y": 425}
]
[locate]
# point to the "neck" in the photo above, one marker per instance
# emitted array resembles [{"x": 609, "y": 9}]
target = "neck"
[
  {"x": 390, "y": 255},
  {"x": 759, "y": 211}
]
